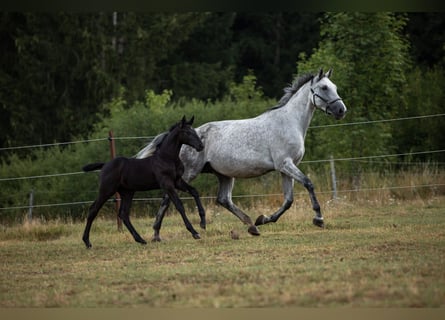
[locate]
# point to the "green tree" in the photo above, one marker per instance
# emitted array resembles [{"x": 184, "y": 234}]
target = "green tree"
[
  {"x": 425, "y": 32},
  {"x": 203, "y": 65},
  {"x": 369, "y": 56},
  {"x": 58, "y": 69},
  {"x": 52, "y": 79},
  {"x": 269, "y": 44}
]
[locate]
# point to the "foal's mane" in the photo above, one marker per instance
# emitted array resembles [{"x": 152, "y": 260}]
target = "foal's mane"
[
  {"x": 292, "y": 89},
  {"x": 155, "y": 144}
]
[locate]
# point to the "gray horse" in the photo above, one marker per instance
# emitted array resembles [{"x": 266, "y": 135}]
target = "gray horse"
[{"x": 247, "y": 148}]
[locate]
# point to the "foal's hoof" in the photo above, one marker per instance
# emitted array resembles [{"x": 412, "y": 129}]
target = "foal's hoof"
[
  {"x": 156, "y": 239},
  {"x": 87, "y": 244},
  {"x": 318, "y": 222},
  {"x": 141, "y": 241},
  {"x": 253, "y": 230},
  {"x": 261, "y": 220},
  {"x": 202, "y": 225},
  {"x": 196, "y": 236}
]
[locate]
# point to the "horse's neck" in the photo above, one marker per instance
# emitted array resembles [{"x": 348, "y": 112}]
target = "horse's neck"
[
  {"x": 170, "y": 148},
  {"x": 299, "y": 110}
]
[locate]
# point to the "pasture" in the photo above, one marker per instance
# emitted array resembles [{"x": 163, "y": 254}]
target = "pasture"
[{"x": 368, "y": 255}]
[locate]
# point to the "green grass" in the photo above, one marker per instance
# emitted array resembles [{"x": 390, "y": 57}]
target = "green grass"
[{"x": 369, "y": 255}]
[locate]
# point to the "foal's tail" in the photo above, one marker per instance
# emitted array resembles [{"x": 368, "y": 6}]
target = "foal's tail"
[{"x": 93, "y": 166}]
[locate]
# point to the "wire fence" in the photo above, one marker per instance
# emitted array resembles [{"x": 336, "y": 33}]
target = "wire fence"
[
  {"x": 308, "y": 161},
  {"x": 358, "y": 159},
  {"x": 151, "y": 137}
]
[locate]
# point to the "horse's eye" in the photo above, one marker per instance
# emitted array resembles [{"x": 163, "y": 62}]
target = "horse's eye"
[{"x": 324, "y": 88}]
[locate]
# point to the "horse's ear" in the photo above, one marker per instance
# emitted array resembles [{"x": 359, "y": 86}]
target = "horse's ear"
[
  {"x": 329, "y": 73},
  {"x": 183, "y": 121},
  {"x": 190, "y": 122},
  {"x": 320, "y": 74}
]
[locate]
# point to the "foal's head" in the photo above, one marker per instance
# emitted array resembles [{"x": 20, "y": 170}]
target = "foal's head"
[{"x": 187, "y": 135}]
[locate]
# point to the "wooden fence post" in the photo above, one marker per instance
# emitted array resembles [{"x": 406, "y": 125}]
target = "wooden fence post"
[
  {"x": 117, "y": 197},
  {"x": 31, "y": 204}
]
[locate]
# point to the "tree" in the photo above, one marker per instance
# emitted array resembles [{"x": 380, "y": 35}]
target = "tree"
[
  {"x": 269, "y": 44},
  {"x": 52, "y": 78},
  {"x": 58, "y": 69},
  {"x": 425, "y": 32},
  {"x": 369, "y": 56},
  {"x": 203, "y": 65}
]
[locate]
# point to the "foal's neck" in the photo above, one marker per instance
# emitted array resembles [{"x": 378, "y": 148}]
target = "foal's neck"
[{"x": 170, "y": 148}]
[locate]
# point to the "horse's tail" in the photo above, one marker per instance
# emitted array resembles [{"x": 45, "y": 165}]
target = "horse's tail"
[{"x": 93, "y": 166}]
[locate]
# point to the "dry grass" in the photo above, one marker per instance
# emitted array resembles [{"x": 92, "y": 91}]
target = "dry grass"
[{"x": 369, "y": 254}]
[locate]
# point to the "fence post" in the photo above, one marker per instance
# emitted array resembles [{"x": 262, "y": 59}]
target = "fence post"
[
  {"x": 117, "y": 197},
  {"x": 333, "y": 178},
  {"x": 31, "y": 204}
]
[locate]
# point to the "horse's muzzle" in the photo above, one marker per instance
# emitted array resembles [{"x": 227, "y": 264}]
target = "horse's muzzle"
[{"x": 337, "y": 109}]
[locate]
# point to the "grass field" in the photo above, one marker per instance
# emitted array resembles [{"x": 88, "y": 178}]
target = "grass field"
[{"x": 369, "y": 255}]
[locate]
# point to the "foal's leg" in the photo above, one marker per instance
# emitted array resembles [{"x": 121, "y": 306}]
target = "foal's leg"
[
  {"x": 159, "y": 217},
  {"x": 225, "y": 199},
  {"x": 124, "y": 214},
  {"x": 288, "y": 189},
  {"x": 184, "y": 186},
  {"x": 291, "y": 170},
  {"x": 93, "y": 211},
  {"x": 178, "y": 204}
]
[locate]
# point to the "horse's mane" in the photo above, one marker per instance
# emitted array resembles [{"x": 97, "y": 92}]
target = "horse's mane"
[
  {"x": 292, "y": 89},
  {"x": 155, "y": 144}
]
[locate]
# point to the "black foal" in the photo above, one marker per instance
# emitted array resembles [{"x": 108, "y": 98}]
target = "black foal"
[{"x": 162, "y": 170}]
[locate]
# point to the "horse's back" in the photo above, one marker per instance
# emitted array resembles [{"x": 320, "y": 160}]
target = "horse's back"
[{"x": 236, "y": 148}]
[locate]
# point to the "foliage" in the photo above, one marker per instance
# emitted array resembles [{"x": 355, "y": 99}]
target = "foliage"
[
  {"x": 369, "y": 56},
  {"x": 59, "y": 71},
  {"x": 424, "y": 96},
  {"x": 354, "y": 45}
]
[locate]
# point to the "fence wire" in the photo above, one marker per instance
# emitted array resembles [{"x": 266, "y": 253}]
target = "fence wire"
[
  {"x": 151, "y": 137},
  {"x": 361, "y": 159},
  {"x": 263, "y": 195}
]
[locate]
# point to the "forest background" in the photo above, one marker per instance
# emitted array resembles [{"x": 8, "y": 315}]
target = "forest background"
[{"x": 68, "y": 77}]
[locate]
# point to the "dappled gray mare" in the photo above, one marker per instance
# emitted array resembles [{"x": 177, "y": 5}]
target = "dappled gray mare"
[{"x": 274, "y": 140}]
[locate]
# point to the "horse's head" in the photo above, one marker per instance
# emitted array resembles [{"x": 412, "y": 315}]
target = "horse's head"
[
  {"x": 325, "y": 96},
  {"x": 188, "y": 135}
]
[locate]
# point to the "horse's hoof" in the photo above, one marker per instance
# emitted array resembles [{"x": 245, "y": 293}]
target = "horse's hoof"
[
  {"x": 156, "y": 239},
  {"x": 87, "y": 244},
  {"x": 196, "y": 236},
  {"x": 253, "y": 230},
  {"x": 261, "y": 220},
  {"x": 318, "y": 222},
  {"x": 142, "y": 241},
  {"x": 202, "y": 225}
]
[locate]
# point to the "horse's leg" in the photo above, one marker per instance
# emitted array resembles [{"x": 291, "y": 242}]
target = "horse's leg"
[
  {"x": 225, "y": 199},
  {"x": 178, "y": 204},
  {"x": 124, "y": 214},
  {"x": 93, "y": 211},
  {"x": 184, "y": 186},
  {"x": 291, "y": 170},
  {"x": 288, "y": 190},
  {"x": 159, "y": 217}
]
